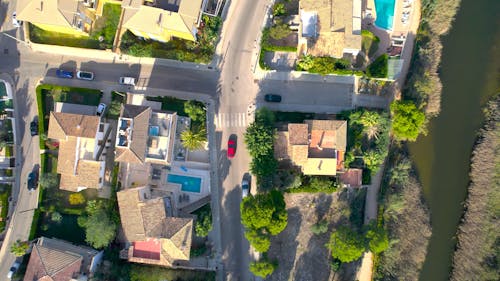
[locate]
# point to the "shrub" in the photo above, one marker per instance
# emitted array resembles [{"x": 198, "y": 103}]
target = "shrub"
[
  {"x": 262, "y": 268},
  {"x": 279, "y": 31},
  {"x": 378, "y": 239},
  {"x": 19, "y": 248},
  {"x": 320, "y": 227},
  {"x": 279, "y": 9},
  {"x": 314, "y": 184},
  {"x": 378, "y": 68},
  {"x": 346, "y": 245},
  {"x": 408, "y": 121},
  {"x": 56, "y": 217},
  {"x": 76, "y": 199},
  {"x": 49, "y": 180},
  {"x": 203, "y": 223},
  {"x": 195, "y": 110}
]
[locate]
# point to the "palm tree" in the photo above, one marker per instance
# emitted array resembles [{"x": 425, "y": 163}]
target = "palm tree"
[
  {"x": 371, "y": 121},
  {"x": 19, "y": 248},
  {"x": 193, "y": 140}
]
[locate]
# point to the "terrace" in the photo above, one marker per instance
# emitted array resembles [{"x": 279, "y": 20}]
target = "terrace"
[
  {"x": 124, "y": 135},
  {"x": 160, "y": 137}
]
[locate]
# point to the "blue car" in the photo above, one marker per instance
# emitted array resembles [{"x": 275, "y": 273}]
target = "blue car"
[{"x": 64, "y": 74}]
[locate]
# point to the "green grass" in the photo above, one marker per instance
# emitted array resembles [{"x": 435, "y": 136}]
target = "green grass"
[
  {"x": 42, "y": 36},
  {"x": 8, "y": 151},
  {"x": 4, "y": 202},
  {"x": 369, "y": 43},
  {"x": 106, "y": 25}
]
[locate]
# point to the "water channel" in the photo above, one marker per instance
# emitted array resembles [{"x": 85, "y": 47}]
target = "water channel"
[{"x": 469, "y": 73}]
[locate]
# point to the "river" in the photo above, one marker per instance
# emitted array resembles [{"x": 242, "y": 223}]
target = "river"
[{"x": 469, "y": 73}]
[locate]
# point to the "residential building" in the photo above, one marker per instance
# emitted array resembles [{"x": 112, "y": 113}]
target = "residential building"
[
  {"x": 317, "y": 146},
  {"x": 330, "y": 27},
  {"x": 153, "y": 235},
  {"x": 58, "y": 260},
  {"x": 161, "y": 20},
  {"x": 75, "y": 17},
  {"x": 145, "y": 136},
  {"x": 82, "y": 139}
]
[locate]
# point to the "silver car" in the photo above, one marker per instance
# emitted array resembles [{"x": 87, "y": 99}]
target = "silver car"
[
  {"x": 85, "y": 75},
  {"x": 245, "y": 188}
]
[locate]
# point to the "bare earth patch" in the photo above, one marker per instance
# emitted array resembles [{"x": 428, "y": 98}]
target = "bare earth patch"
[{"x": 302, "y": 255}]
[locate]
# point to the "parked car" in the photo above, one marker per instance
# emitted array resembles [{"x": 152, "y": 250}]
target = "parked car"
[
  {"x": 272, "y": 98},
  {"x": 85, "y": 75},
  {"x": 64, "y": 74},
  {"x": 34, "y": 128},
  {"x": 13, "y": 269},
  {"x": 127, "y": 81},
  {"x": 15, "y": 22},
  {"x": 231, "y": 148},
  {"x": 101, "y": 108},
  {"x": 32, "y": 180},
  {"x": 245, "y": 188}
]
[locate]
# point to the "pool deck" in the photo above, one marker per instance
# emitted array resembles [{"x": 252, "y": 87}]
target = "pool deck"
[{"x": 408, "y": 29}]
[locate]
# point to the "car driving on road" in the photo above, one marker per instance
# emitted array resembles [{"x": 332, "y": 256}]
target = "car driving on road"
[
  {"x": 64, "y": 74},
  {"x": 127, "y": 81},
  {"x": 85, "y": 75},
  {"x": 231, "y": 148}
]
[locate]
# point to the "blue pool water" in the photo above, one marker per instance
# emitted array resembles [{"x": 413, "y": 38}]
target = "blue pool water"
[
  {"x": 154, "y": 131},
  {"x": 385, "y": 13},
  {"x": 189, "y": 184}
]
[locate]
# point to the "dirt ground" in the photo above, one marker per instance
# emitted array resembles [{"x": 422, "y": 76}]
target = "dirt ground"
[{"x": 302, "y": 255}]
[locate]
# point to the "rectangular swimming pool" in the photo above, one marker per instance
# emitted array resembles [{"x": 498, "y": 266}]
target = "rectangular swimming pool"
[
  {"x": 385, "y": 13},
  {"x": 188, "y": 184}
]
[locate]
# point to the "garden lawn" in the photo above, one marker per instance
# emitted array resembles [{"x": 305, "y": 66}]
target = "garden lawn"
[
  {"x": 106, "y": 25},
  {"x": 369, "y": 43},
  {"x": 42, "y": 36},
  {"x": 171, "y": 104},
  {"x": 67, "y": 229}
]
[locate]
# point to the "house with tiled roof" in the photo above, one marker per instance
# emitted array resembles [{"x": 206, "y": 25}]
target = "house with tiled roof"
[
  {"x": 153, "y": 235},
  {"x": 330, "y": 27},
  {"x": 58, "y": 260},
  {"x": 75, "y": 17},
  {"x": 316, "y": 146},
  {"x": 81, "y": 139},
  {"x": 161, "y": 20}
]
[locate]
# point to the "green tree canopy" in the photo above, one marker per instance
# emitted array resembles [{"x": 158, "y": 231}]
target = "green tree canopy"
[
  {"x": 408, "y": 121},
  {"x": 195, "y": 110},
  {"x": 262, "y": 268},
  {"x": 279, "y": 9},
  {"x": 203, "y": 223},
  {"x": 279, "y": 31},
  {"x": 378, "y": 239},
  {"x": 346, "y": 245},
  {"x": 378, "y": 68},
  {"x": 49, "y": 180},
  {"x": 193, "y": 140},
  {"x": 100, "y": 228},
  {"x": 19, "y": 248},
  {"x": 259, "y": 140},
  {"x": 373, "y": 159},
  {"x": 260, "y": 241}
]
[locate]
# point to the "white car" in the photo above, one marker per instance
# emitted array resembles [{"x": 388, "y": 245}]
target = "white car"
[
  {"x": 13, "y": 269},
  {"x": 15, "y": 22},
  {"x": 245, "y": 188},
  {"x": 127, "y": 81},
  {"x": 101, "y": 108},
  {"x": 85, "y": 75}
]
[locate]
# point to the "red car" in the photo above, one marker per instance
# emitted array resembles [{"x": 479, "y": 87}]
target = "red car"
[{"x": 231, "y": 148}]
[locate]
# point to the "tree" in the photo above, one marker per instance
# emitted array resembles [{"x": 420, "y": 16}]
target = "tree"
[
  {"x": 259, "y": 241},
  {"x": 378, "y": 68},
  {"x": 19, "y": 248},
  {"x": 262, "y": 166},
  {"x": 373, "y": 159},
  {"x": 100, "y": 229},
  {"x": 49, "y": 180},
  {"x": 378, "y": 239},
  {"x": 320, "y": 227},
  {"x": 346, "y": 245},
  {"x": 203, "y": 223},
  {"x": 76, "y": 199},
  {"x": 262, "y": 268},
  {"x": 259, "y": 140},
  {"x": 408, "y": 121},
  {"x": 279, "y": 9},
  {"x": 279, "y": 31},
  {"x": 195, "y": 110},
  {"x": 114, "y": 108},
  {"x": 400, "y": 173},
  {"x": 193, "y": 140},
  {"x": 56, "y": 217}
]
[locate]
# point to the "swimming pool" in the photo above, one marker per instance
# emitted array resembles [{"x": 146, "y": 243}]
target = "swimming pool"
[
  {"x": 189, "y": 184},
  {"x": 385, "y": 13},
  {"x": 154, "y": 131}
]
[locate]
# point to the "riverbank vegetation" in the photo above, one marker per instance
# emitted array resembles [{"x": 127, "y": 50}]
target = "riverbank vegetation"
[
  {"x": 424, "y": 85},
  {"x": 404, "y": 214},
  {"x": 478, "y": 247}
]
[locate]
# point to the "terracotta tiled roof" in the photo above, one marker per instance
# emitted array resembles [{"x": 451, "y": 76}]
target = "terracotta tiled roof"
[
  {"x": 352, "y": 177},
  {"x": 339, "y": 127},
  {"x": 57, "y": 260},
  {"x": 87, "y": 174},
  {"x": 47, "y": 12},
  {"x": 298, "y": 133},
  {"x": 62, "y": 125},
  {"x": 136, "y": 152},
  {"x": 144, "y": 219}
]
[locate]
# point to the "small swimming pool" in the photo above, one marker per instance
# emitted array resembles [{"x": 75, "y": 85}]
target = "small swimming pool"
[
  {"x": 154, "y": 131},
  {"x": 189, "y": 184},
  {"x": 385, "y": 13}
]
